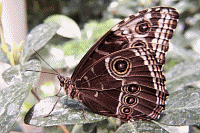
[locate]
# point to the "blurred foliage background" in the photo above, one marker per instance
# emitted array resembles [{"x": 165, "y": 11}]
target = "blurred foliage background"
[
  {"x": 88, "y": 20},
  {"x": 94, "y": 18}
]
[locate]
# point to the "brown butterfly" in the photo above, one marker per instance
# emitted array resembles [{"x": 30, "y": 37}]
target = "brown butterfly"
[{"x": 121, "y": 75}]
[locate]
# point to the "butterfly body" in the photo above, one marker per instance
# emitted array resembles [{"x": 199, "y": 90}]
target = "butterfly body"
[{"x": 121, "y": 75}]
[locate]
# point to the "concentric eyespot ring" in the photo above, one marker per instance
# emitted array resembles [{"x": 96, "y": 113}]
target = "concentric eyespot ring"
[
  {"x": 126, "y": 110},
  {"x": 143, "y": 27},
  {"x": 120, "y": 66},
  {"x": 130, "y": 100},
  {"x": 132, "y": 88}
]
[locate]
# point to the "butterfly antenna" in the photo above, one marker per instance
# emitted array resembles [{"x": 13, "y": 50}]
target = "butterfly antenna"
[
  {"x": 46, "y": 63},
  {"x": 42, "y": 72}
]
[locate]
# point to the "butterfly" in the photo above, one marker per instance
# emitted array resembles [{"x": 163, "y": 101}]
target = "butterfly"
[{"x": 122, "y": 73}]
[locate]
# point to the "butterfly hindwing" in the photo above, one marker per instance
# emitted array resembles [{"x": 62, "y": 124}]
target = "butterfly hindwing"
[{"x": 104, "y": 90}]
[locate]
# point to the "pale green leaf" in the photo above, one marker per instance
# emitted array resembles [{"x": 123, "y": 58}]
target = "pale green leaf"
[{"x": 69, "y": 27}]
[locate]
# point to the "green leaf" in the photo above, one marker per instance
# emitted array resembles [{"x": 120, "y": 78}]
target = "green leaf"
[
  {"x": 11, "y": 98},
  {"x": 146, "y": 127},
  {"x": 127, "y": 128},
  {"x": 69, "y": 27},
  {"x": 182, "y": 74},
  {"x": 75, "y": 48},
  {"x": 19, "y": 73},
  {"x": 77, "y": 129},
  {"x": 66, "y": 112},
  {"x": 103, "y": 27},
  {"x": 37, "y": 38},
  {"x": 139, "y": 127},
  {"x": 89, "y": 28},
  {"x": 182, "y": 108},
  {"x": 180, "y": 54}
]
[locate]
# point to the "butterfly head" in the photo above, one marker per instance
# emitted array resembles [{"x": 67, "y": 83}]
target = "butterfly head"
[{"x": 66, "y": 83}]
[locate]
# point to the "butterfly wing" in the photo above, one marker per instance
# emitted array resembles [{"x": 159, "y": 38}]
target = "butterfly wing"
[
  {"x": 121, "y": 75},
  {"x": 151, "y": 28},
  {"x": 129, "y": 85}
]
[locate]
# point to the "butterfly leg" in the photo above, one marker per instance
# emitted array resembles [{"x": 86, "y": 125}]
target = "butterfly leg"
[
  {"x": 58, "y": 91},
  {"x": 84, "y": 113},
  {"x": 53, "y": 107}
]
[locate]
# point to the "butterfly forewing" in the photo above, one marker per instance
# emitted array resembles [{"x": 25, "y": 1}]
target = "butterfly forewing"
[
  {"x": 121, "y": 75},
  {"x": 126, "y": 34}
]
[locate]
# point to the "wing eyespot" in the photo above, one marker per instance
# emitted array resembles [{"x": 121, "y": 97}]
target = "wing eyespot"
[
  {"x": 143, "y": 27},
  {"x": 133, "y": 88},
  {"x": 120, "y": 66},
  {"x": 130, "y": 100},
  {"x": 126, "y": 110}
]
